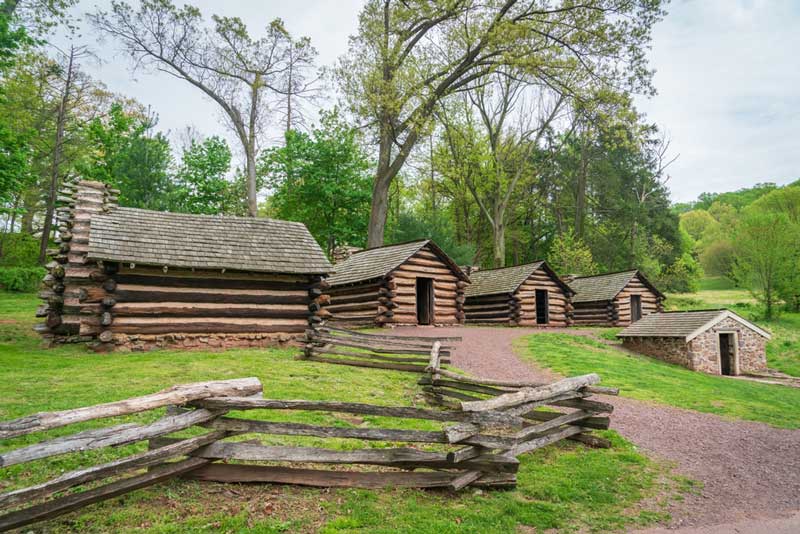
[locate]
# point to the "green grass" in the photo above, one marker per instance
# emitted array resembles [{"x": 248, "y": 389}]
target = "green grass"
[
  {"x": 566, "y": 487},
  {"x": 716, "y": 283},
  {"x": 648, "y": 379},
  {"x": 783, "y": 350}
]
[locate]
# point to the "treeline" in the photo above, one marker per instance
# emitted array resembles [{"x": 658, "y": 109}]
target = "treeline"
[
  {"x": 504, "y": 130},
  {"x": 752, "y": 237}
]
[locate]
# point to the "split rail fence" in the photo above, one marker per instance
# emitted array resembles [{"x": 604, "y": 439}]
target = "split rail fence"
[{"x": 476, "y": 444}]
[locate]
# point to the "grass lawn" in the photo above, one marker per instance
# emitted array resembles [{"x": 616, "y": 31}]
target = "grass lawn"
[
  {"x": 645, "y": 378},
  {"x": 783, "y": 350},
  {"x": 565, "y": 487}
]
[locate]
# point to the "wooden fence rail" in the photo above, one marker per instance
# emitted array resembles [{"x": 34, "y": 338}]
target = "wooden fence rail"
[{"x": 476, "y": 444}]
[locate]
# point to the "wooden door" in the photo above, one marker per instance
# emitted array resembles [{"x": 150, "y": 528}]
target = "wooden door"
[
  {"x": 636, "y": 308},
  {"x": 542, "y": 306},
  {"x": 424, "y": 300},
  {"x": 726, "y": 354}
]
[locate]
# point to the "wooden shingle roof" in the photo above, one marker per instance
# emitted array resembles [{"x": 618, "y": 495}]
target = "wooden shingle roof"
[
  {"x": 508, "y": 279},
  {"x": 377, "y": 262},
  {"x": 606, "y": 286},
  {"x": 205, "y": 242},
  {"x": 683, "y": 324}
]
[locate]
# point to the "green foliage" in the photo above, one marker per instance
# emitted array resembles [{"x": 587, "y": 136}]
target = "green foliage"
[
  {"x": 738, "y": 199},
  {"x": 682, "y": 276},
  {"x": 127, "y": 155},
  {"x": 18, "y": 250},
  {"x": 697, "y": 222},
  {"x": 22, "y": 279},
  {"x": 408, "y": 227},
  {"x": 322, "y": 179},
  {"x": 201, "y": 184},
  {"x": 717, "y": 258},
  {"x": 570, "y": 255},
  {"x": 641, "y": 377}
]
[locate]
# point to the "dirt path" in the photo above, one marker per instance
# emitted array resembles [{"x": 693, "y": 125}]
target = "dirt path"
[{"x": 750, "y": 471}]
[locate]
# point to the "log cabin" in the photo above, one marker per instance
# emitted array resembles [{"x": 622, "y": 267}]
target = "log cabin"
[
  {"x": 134, "y": 279},
  {"x": 523, "y": 295},
  {"x": 614, "y": 299},
  {"x": 413, "y": 283},
  {"x": 717, "y": 342}
]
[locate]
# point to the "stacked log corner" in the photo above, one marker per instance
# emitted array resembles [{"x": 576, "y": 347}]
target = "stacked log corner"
[{"x": 70, "y": 315}]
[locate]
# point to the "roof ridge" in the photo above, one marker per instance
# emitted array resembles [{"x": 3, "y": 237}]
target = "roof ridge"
[
  {"x": 509, "y": 267},
  {"x": 606, "y": 274},
  {"x": 390, "y": 245},
  {"x": 202, "y": 215}
]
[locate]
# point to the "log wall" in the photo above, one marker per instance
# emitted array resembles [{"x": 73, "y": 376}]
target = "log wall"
[
  {"x": 391, "y": 300},
  {"x": 128, "y": 307},
  {"x": 519, "y": 308},
  {"x": 617, "y": 312},
  {"x": 651, "y": 302}
]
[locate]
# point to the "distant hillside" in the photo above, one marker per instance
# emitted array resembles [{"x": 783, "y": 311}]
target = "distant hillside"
[{"x": 738, "y": 199}]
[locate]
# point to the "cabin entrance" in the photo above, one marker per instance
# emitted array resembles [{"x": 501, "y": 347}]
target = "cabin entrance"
[
  {"x": 727, "y": 354},
  {"x": 424, "y": 300},
  {"x": 636, "y": 308},
  {"x": 542, "y": 306}
]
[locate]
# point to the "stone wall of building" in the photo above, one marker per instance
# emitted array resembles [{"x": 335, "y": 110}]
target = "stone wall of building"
[
  {"x": 751, "y": 348},
  {"x": 702, "y": 353},
  {"x": 670, "y": 349}
]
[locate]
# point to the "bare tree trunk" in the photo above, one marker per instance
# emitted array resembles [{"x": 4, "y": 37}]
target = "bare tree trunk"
[
  {"x": 56, "y": 164},
  {"x": 580, "y": 191}
]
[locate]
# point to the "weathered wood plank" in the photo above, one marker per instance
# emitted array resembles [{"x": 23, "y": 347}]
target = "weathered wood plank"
[
  {"x": 180, "y": 394},
  {"x": 532, "y": 394}
]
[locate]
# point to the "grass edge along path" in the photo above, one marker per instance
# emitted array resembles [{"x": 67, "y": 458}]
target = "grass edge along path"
[{"x": 648, "y": 379}]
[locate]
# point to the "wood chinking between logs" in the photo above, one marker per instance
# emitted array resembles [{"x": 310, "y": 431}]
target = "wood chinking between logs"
[{"x": 137, "y": 279}]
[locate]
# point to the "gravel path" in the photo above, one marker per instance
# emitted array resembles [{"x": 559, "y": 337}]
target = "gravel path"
[{"x": 750, "y": 471}]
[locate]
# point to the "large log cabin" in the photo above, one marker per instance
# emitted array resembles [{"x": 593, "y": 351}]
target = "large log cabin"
[
  {"x": 412, "y": 283},
  {"x": 134, "y": 279},
  {"x": 523, "y": 295},
  {"x": 614, "y": 299}
]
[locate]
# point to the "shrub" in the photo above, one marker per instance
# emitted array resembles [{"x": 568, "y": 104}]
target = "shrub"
[
  {"x": 25, "y": 279},
  {"x": 18, "y": 250}
]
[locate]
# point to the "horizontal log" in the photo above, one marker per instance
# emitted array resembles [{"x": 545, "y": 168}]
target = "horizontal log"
[
  {"x": 538, "y": 443},
  {"x": 388, "y": 337},
  {"x": 366, "y": 356},
  {"x": 520, "y": 383},
  {"x": 526, "y": 395},
  {"x": 355, "y": 289},
  {"x": 214, "y": 281},
  {"x": 370, "y": 306},
  {"x": 372, "y": 364},
  {"x": 249, "y": 403},
  {"x": 106, "y": 437},
  {"x": 176, "y": 395},
  {"x": 116, "y": 467},
  {"x": 403, "y": 457},
  {"x": 137, "y": 293},
  {"x": 62, "y": 505},
  {"x": 371, "y": 434},
  {"x": 352, "y": 299},
  {"x": 209, "y": 309},
  {"x": 189, "y": 325},
  {"x": 341, "y": 479}
]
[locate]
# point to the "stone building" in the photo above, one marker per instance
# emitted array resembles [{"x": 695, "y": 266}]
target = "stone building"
[{"x": 711, "y": 341}]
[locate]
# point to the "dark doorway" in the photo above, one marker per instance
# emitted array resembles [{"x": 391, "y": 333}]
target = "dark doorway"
[
  {"x": 542, "y": 306},
  {"x": 425, "y": 300},
  {"x": 726, "y": 354},
  {"x": 636, "y": 308}
]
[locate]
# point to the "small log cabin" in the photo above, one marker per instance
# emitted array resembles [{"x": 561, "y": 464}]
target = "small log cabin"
[
  {"x": 412, "y": 283},
  {"x": 523, "y": 295},
  {"x": 126, "y": 278},
  {"x": 718, "y": 342},
  {"x": 614, "y": 299}
]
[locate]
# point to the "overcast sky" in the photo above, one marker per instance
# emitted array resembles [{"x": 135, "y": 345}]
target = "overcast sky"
[{"x": 728, "y": 78}]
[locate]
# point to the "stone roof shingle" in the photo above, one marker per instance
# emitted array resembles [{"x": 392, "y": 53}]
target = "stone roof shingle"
[{"x": 205, "y": 242}]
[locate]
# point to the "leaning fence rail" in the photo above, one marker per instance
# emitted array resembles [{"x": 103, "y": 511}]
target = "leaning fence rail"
[{"x": 477, "y": 443}]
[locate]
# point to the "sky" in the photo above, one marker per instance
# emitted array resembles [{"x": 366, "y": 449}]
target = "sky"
[{"x": 727, "y": 75}]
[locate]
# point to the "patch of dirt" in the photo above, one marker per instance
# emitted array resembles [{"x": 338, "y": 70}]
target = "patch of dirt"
[{"x": 749, "y": 471}]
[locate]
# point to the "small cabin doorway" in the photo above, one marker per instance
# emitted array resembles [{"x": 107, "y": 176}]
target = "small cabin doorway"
[
  {"x": 424, "y": 300},
  {"x": 636, "y": 308},
  {"x": 727, "y": 354},
  {"x": 542, "y": 306}
]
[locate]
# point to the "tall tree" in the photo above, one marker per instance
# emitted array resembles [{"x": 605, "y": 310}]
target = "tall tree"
[
  {"x": 235, "y": 70},
  {"x": 201, "y": 183},
  {"x": 322, "y": 180},
  {"x": 409, "y": 55}
]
